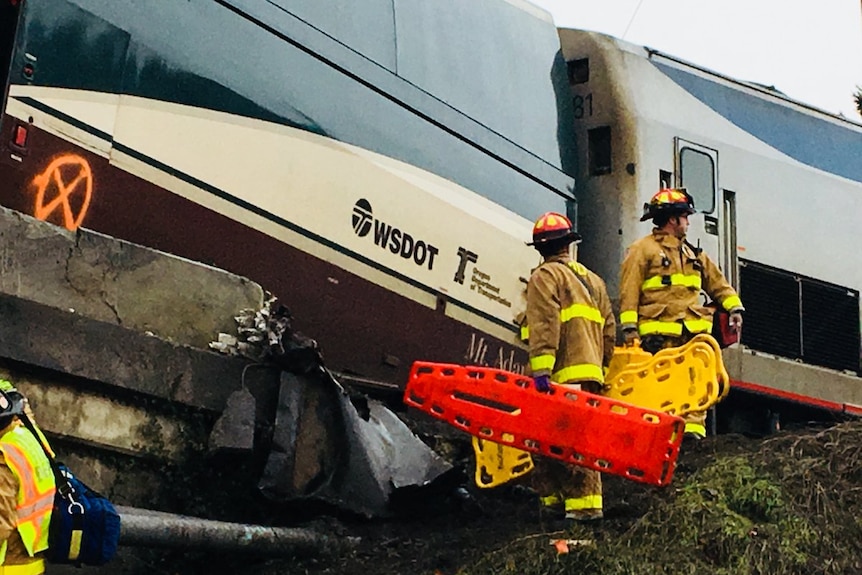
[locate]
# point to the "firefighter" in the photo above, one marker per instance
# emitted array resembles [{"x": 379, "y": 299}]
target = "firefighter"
[
  {"x": 570, "y": 330},
  {"x": 661, "y": 280},
  {"x": 26, "y": 490}
]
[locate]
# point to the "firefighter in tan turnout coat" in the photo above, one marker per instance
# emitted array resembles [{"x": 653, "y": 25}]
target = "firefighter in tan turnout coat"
[
  {"x": 661, "y": 280},
  {"x": 570, "y": 328}
]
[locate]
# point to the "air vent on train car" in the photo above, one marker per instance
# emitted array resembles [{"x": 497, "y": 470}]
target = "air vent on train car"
[
  {"x": 830, "y": 325},
  {"x": 799, "y": 317},
  {"x": 772, "y": 316}
]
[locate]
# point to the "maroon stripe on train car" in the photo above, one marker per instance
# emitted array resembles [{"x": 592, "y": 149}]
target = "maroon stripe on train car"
[{"x": 363, "y": 328}]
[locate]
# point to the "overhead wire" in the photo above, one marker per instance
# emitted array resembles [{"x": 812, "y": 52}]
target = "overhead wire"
[{"x": 632, "y": 19}]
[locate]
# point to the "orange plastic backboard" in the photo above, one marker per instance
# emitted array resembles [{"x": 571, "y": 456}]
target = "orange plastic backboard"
[{"x": 567, "y": 424}]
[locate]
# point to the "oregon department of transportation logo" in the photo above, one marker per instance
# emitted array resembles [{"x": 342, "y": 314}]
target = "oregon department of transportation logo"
[{"x": 392, "y": 238}]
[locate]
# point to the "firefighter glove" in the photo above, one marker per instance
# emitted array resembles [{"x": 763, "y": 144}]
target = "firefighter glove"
[
  {"x": 631, "y": 336},
  {"x": 542, "y": 383},
  {"x": 735, "y": 321}
]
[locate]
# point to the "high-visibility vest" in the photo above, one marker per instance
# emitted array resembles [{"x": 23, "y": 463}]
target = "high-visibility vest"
[{"x": 28, "y": 463}]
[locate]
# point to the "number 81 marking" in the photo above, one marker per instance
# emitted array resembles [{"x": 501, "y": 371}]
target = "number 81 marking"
[{"x": 583, "y": 106}]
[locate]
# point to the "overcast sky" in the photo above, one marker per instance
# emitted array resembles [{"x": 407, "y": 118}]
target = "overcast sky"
[{"x": 810, "y": 50}]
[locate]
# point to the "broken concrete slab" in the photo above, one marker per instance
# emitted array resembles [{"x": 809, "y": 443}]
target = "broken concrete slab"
[
  {"x": 115, "y": 281},
  {"x": 113, "y": 356}
]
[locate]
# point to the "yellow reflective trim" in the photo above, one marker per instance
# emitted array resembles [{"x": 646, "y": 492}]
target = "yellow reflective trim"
[
  {"x": 75, "y": 544},
  {"x": 542, "y": 362},
  {"x": 585, "y": 502},
  {"x": 578, "y": 268},
  {"x": 550, "y": 500},
  {"x": 36, "y": 567},
  {"x": 630, "y": 317},
  {"x": 583, "y": 311},
  {"x": 690, "y": 281},
  {"x": 698, "y": 325},
  {"x": 696, "y": 429},
  {"x": 525, "y": 332},
  {"x": 732, "y": 302},
  {"x": 660, "y": 327},
  {"x": 584, "y": 371}
]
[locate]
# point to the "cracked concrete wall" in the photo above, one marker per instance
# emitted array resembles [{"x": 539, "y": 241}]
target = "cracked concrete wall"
[{"x": 109, "y": 280}]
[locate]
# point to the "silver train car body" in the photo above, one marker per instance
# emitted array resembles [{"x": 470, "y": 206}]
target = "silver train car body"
[{"x": 778, "y": 185}]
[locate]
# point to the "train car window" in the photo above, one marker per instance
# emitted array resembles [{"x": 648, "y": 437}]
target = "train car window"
[
  {"x": 579, "y": 71},
  {"x": 8, "y": 23},
  {"x": 800, "y": 317},
  {"x": 599, "y": 149},
  {"x": 697, "y": 175}
]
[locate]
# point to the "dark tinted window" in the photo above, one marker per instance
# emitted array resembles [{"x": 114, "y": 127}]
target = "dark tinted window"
[
  {"x": 8, "y": 23},
  {"x": 199, "y": 55},
  {"x": 599, "y": 143},
  {"x": 579, "y": 71}
]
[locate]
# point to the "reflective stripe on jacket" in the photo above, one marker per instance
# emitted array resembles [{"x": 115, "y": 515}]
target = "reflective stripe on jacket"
[
  {"x": 568, "y": 321},
  {"x": 36, "y": 567},
  {"x": 660, "y": 284},
  {"x": 25, "y": 458}
]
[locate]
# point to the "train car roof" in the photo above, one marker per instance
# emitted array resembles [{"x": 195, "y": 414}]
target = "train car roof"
[
  {"x": 768, "y": 90},
  {"x": 823, "y": 140}
]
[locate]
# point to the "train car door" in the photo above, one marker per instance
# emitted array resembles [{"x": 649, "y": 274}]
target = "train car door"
[{"x": 697, "y": 171}]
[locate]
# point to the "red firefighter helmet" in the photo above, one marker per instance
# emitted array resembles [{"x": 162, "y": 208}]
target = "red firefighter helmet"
[
  {"x": 670, "y": 201},
  {"x": 552, "y": 227}
]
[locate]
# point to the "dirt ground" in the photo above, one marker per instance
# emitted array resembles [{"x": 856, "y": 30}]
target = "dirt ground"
[{"x": 785, "y": 504}]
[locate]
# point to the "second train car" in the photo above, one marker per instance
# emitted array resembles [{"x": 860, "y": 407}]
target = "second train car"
[{"x": 778, "y": 187}]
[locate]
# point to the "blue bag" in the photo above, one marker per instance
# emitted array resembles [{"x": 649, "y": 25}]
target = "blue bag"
[{"x": 85, "y": 526}]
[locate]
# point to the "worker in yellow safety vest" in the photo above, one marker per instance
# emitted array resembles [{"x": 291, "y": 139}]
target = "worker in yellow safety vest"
[
  {"x": 661, "y": 279},
  {"x": 26, "y": 490},
  {"x": 570, "y": 330}
]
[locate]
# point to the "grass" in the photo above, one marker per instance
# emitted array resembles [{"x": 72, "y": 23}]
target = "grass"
[{"x": 792, "y": 507}]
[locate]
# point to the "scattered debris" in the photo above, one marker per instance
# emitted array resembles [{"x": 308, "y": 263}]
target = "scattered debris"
[
  {"x": 266, "y": 335},
  {"x": 326, "y": 445},
  {"x": 563, "y": 546}
]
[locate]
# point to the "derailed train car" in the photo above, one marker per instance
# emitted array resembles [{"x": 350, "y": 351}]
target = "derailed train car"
[
  {"x": 371, "y": 163},
  {"x": 778, "y": 187}
]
